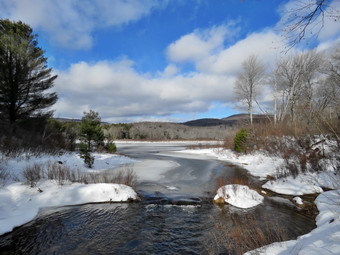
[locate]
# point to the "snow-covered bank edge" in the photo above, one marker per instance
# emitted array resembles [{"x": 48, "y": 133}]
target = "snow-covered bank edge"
[
  {"x": 325, "y": 239},
  {"x": 20, "y": 203}
]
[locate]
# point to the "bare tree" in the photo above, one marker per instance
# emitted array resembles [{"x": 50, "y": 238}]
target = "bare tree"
[
  {"x": 248, "y": 82},
  {"x": 333, "y": 67},
  {"x": 306, "y": 19},
  {"x": 295, "y": 78}
]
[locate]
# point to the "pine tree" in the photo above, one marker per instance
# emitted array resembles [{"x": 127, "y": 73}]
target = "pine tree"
[
  {"x": 25, "y": 79},
  {"x": 91, "y": 134}
]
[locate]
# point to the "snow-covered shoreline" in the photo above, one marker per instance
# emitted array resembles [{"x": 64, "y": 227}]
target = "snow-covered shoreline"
[
  {"x": 20, "y": 203},
  {"x": 325, "y": 238}
]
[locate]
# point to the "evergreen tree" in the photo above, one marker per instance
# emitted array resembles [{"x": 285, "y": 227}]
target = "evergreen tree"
[
  {"x": 25, "y": 79},
  {"x": 91, "y": 135}
]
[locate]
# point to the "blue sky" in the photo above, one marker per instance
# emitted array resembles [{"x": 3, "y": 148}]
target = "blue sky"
[{"x": 149, "y": 60}]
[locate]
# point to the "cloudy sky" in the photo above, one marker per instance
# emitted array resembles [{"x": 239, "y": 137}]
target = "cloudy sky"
[{"x": 157, "y": 60}]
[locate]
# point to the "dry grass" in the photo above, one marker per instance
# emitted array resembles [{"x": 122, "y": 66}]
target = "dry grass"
[
  {"x": 126, "y": 176},
  {"x": 63, "y": 174},
  {"x": 4, "y": 174},
  {"x": 244, "y": 233},
  {"x": 33, "y": 174},
  {"x": 221, "y": 181}
]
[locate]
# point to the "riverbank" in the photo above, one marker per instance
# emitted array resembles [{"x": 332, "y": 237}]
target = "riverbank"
[
  {"x": 21, "y": 197},
  {"x": 325, "y": 239}
]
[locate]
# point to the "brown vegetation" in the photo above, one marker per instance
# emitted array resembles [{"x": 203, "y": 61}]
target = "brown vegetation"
[
  {"x": 63, "y": 174},
  {"x": 245, "y": 233}
]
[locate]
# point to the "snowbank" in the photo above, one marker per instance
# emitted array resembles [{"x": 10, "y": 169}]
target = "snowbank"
[
  {"x": 302, "y": 184},
  {"x": 257, "y": 164},
  {"x": 238, "y": 195},
  {"x": 325, "y": 239},
  {"x": 20, "y": 203},
  {"x": 102, "y": 161},
  {"x": 261, "y": 165}
]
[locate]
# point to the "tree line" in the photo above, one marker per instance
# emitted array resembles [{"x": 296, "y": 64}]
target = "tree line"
[{"x": 305, "y": 87}]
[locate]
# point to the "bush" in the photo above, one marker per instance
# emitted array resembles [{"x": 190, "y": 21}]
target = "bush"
[
  {"x": 126, "y": 176},
  {"x": 240, "y": 140},
  {"x": 4, "y": 174},
  {"x": 33, "y": 174},
  {"x": 111, "y": 147}
]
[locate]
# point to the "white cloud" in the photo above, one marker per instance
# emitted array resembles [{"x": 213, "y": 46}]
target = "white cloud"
[
  {"x": 116, "y": 89},
  {"x": 71, "y": 23},
  {"x": 200, "y": 44}
]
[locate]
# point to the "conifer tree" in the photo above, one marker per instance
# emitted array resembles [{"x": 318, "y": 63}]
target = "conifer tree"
[{"x": 25, "y": 79}]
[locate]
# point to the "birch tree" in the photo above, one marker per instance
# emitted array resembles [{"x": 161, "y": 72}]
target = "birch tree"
[
  {"x": 295, "y": 78},
  {"x": 248, "y": 82}
]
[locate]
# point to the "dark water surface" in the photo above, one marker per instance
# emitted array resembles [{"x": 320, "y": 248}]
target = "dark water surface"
[{"x": 155, "y": 225}]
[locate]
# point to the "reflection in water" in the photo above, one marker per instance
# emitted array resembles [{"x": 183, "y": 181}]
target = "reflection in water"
[{"x": 137, "y": 228}]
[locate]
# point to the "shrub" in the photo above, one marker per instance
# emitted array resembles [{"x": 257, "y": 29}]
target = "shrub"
[
  {"x": 245, "y": 233},
  {"x": 111, "y": 147},
  {"x": 240, "y": 140},
  {"x": 33, "y": 174},
  {"x": 61, "y": 173},
  {"x": 4, "y": 174},
  {"x": 126, "y": 176}
]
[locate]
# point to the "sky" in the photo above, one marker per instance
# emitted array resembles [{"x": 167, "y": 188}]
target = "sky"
[{"x": 159, "y": 60}]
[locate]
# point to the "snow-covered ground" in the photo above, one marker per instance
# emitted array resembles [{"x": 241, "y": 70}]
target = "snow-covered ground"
[
  {"x": 20, "y": 203},
  {"x": 325, "y": 239},
  {"x": 257, "y": 164},
  {"x": 238, "y": 195},
  {"x": 103, "y": 161}
]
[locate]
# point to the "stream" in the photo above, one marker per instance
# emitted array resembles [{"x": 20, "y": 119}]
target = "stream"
[{"x": 175, "y": 216}]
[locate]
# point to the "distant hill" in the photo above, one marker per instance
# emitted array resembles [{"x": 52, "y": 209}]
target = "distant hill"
[
  {"x": 245, "y": 116},
  {"x": 228, "y": 121},
  {"x": 207, "y": 122}
]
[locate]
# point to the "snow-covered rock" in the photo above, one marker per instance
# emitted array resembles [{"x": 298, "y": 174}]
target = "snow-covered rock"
[
  {"x": 20, "y": 203},
  {"x": 238, "y": 195},
  {"x": 298, "y": 200}
]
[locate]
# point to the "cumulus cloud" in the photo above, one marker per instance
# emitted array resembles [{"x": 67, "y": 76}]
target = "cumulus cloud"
[
  {"x": 71, "y": 23},
  {"x": 200, "y": 44},
  {"x": 116, "y": 90}
]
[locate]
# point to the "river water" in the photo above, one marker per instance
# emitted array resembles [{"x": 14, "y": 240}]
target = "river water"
[{"x": 176, "y": 215}]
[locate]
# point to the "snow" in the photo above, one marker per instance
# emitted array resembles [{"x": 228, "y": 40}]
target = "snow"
[
  {"x": 298, "y": 200},
  {"x": 302, "y": 184},
  {"x": 20, "y": 203},
  {"x": 239, "y": 195},
  {"x": 102, "y": 161},
  {"x": 258, "y": 164},
  {"x": 325, "y": 239}
]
